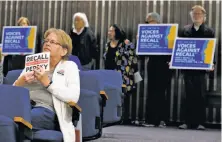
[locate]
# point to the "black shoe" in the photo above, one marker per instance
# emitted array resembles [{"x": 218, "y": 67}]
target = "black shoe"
[
  {"x": 148, "y": 125},
  {"x": 200, "y": 127},
  {"x": 162, "y": 124},
  {"x": 184, "y": 126}
]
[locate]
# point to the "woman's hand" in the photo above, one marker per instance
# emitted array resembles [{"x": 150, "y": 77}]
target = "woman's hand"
[
  {"x": 41, "y": 76},
  {"x": 26, "y": 78},
  {"x": 126, "y": 41},
  {"x": 29, "y": 77}
]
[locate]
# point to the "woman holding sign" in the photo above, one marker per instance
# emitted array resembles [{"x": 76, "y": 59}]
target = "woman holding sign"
[
  {"x": 13, "y": 62},
  {"x": 52, "y": 90}
]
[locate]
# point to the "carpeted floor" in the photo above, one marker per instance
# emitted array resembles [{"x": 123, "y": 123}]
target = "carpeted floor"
[{"x": 152, "y": 134}]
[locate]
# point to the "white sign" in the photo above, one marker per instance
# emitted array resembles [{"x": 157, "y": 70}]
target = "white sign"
[{"x": 36, "y": 60}]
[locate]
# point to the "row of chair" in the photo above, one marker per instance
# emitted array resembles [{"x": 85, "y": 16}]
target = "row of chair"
[{"x": 99, "y": 105}]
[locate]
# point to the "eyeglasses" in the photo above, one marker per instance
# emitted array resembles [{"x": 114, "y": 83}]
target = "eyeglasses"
[
  {"x": 149, "y": 21},
  {"x": 198, "y": 14},
  {"x": 51, "y": 42}
]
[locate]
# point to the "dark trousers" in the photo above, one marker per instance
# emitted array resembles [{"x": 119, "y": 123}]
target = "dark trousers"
[
  {"x": 159, "y": 76},
  {"x": 13, "y": 62},
  {"x": 195, "y": 97},
  {"x": 44, "y": 119}
]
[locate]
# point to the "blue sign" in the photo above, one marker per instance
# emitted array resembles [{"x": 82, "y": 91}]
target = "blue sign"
[
  {"x": 193, "y": 53},
  {"x": 18, "y": 39},
  {"x": 156, "y": 39}
]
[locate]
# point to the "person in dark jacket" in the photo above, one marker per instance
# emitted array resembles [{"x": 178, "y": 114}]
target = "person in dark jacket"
[
  {"x": 83, "y": 41},
  {"x": 13, "y": 62},
  {"x": 159, "y": 76},
  {"x": 195, "y": 86}
]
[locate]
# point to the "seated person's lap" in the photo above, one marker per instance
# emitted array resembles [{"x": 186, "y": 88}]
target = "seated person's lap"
[{"x": 44, "y": 119}]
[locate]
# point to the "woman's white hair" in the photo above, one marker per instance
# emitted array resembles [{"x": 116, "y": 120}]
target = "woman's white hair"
[{"x": 81, "y": 15}]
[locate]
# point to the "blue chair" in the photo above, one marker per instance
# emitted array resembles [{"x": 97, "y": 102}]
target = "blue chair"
[
  {"x": 46, "y": 135},
  {"x": 92, "y": 101},
  {"x": 113, "y": 84},
  {"x": 76, "y": 60},
  {"x": 12, "y": 76},
  {"x": 8, "y": 129},
  {"x": 56, "y": 136},
  {"x": 112, "y": 81},
  {"x": 15, "y": 113}
]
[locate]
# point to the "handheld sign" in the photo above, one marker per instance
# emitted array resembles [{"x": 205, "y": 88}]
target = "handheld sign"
[
  {"x": 193, "y": 53},
  {"x": 35, "y": 60},
  {"x": 19, "y": 40},
  {"x": 156, "y": 39}
]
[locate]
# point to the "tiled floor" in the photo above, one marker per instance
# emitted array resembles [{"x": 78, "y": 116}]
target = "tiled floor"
[{"x": 151, "y": 134}]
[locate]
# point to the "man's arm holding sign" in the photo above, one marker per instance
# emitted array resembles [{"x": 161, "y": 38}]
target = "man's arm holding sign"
[{"x": 212, "y": 35}]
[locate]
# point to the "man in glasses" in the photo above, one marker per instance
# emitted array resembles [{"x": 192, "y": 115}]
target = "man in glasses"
[
  {"x": 159, "y": 77},
  {"x": 195, "y": 86}
]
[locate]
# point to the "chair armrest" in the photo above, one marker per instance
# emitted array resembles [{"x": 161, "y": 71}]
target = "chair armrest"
[
  {"x": 124, "y": 88},
  {"x": 20, "y": 120},
  {"x": 104, "y": 97},
  {"x": 75, "y": 106},
  {"x": 25, "y": 129},
  {"x": 76, "y": 112}
]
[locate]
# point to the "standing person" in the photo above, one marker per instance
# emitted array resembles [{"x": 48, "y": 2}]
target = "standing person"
[
  {"x": 13, "y": 62},
  {"x": 120, "y": 56},
  {"x": 195, "y": 79},
  {"x": 159, "y": 76},
  {"x": 83, "y": 41}
]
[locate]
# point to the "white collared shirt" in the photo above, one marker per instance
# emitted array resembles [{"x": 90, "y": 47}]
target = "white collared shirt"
[
  {"x": 196, "y": 28},
  {"x": 78, "y": 33}
]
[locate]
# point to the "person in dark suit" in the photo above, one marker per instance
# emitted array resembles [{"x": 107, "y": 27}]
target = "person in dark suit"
[
  {"x": 159, "y": 76},
  {"x": 195, "y": 79}
]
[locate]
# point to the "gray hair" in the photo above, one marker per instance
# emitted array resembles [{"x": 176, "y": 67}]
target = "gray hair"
[
  {"x": 84, "y": 18},
  {"x": 155, "y": 16}
]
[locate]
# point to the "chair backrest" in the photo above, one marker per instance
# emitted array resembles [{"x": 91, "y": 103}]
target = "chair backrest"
[
  {"x": 111, "y": 77},
  {"x": 15, "y": 102},
  {"x": 76, "y": 60},
  {"x": 91, "y": 81},
  {"x": 12, "y": 76}
]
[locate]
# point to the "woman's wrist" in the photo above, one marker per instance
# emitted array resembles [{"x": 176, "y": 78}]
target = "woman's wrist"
[
  {"x": 46, "y": 83},
  {"x": 20, "y": 81}
]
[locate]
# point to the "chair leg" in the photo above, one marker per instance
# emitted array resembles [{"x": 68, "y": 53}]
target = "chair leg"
[
  {"x": 21, "y": 136},
  {"x": 78, "y": 130}
]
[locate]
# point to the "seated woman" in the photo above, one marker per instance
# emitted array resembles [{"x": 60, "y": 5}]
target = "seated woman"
[{"x": 52, "y": 90}]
